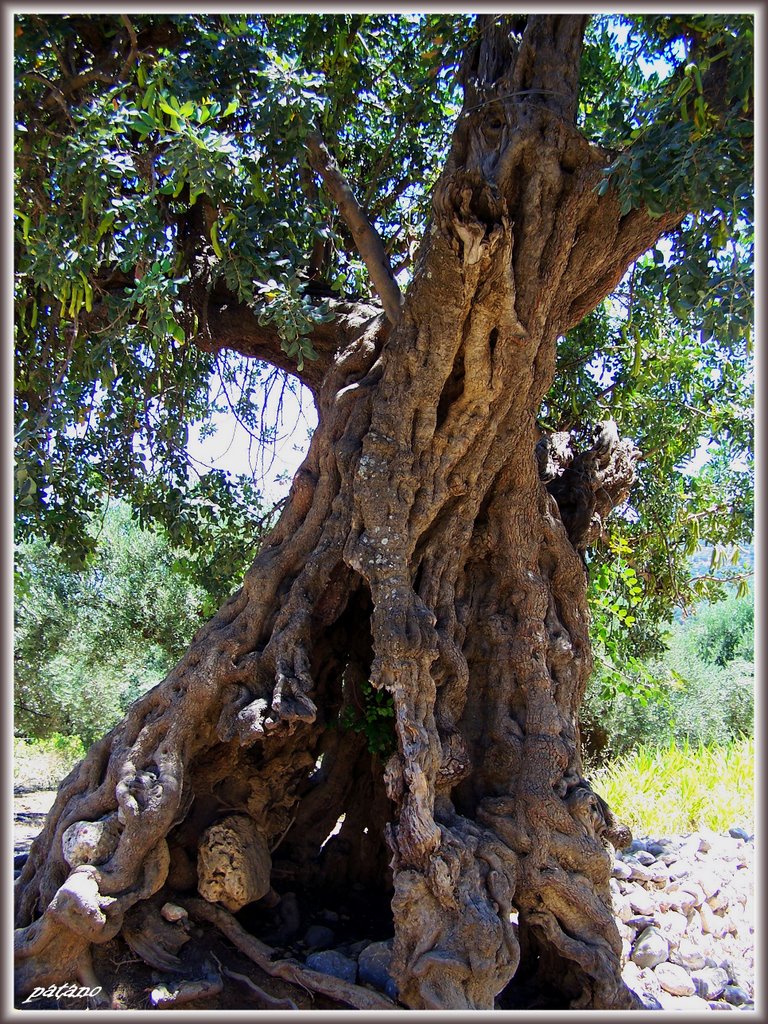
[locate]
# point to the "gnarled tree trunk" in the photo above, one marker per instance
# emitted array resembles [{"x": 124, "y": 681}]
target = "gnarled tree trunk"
[{"x": 430, "y": 547}]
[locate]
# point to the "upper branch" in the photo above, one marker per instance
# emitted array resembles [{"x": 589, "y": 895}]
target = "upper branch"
[
  {"x": 367, "y": 239},
  {"x": 233, "y": 325}
]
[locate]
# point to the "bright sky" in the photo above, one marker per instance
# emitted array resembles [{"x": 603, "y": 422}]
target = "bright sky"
[{"x": 233, "y": 449}]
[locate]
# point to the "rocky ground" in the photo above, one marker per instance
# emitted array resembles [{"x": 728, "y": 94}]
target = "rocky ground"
[
  {"x": 685, "y": 908},
  {"x": 686, "y": 915}
]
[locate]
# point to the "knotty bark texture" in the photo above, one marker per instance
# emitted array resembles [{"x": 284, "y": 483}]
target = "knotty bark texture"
[{"x": 430, "y": 547}]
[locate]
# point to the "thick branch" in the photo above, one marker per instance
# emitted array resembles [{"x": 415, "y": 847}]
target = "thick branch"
[
  {"x": 367, "y": 239},
  {"x": 232, "y": 325}
]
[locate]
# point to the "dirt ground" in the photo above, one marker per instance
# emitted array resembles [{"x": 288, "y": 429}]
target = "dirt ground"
[{"x": 29, "y": 811}]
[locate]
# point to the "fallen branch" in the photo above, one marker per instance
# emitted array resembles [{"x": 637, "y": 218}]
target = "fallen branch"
[
  {"x": 289, "y": 970},
  {"x": 367, "y": 238}
]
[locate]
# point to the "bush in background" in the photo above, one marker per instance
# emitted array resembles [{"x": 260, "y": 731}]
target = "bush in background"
[
  {"x": 42, "y": 764},
  {"x": 703, "y": 692},
  {"x": 89, "y": 641}
]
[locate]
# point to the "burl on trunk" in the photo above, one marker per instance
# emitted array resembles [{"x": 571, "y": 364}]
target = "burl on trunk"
[{"x": 432, "y": 548}]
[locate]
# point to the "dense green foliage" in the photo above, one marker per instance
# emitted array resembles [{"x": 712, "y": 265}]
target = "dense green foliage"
[
  {"x": 701, "y": 689},
  {"x": 160, "y": 160},
  {"x": 88, "y": 642},
  {"x": 675, "y": 788}
]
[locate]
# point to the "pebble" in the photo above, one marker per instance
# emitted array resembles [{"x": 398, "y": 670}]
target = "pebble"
[
  {"x": 650, "y": 949},
  {"x": 685, "y": 912},
  {"x": 330, "y": 961},
  {"x": 675, "y": 980},
  {"x": 739, "y": 833}
]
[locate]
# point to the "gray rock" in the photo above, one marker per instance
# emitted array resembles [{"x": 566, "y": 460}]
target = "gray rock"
[
  {"x": 650, "y": 949},
  {"x": 621, "y": 870},
  {"x": 711, "y": 924},
  {"x": 680, "y": 869},
  {"x": 690, "y": 1004},
  {"x": 672, "y": 925},
  {"x": 736, "y": 971},
  {"x": 318, "y": 936},
  {"x": 708, "y": 881},
  {"x": 373, "y": 964},
  {"x": 735, "y": 995},
  {"x": 683, "y": 902},
  {"x": 642, "y": 902},
  {"x": 710, "y": 982},
  {"x": 289, "y": 911},
  {"x": 391, "y": 990},
  {"x": 720, "y": 1005},
  {"x": 288, "y": 919},
  {"x": 644, "y": 857},
  {"x": 356, "y": 948},
  {"x": 641, "y": 921},
  {"x": 330, "y": 961},
  {"x": 720, "y": 901},
  {"x": 90, "y": 842},
  {"x": 688, "y": 955},
  {"x": 674, "y": 979},
  {"x": 637, "y": 844},
  {"x": 649, "y": 1002},
  {"x": 737, "y": 832},
  {"x": 638, "y": 873},
  {"x": 692, "y": 887}
]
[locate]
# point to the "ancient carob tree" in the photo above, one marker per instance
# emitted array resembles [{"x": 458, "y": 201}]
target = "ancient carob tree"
[{"x": 432, "y": 550}]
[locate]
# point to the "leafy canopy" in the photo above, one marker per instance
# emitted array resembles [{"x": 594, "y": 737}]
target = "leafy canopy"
[{"x": 160, "y": 160}]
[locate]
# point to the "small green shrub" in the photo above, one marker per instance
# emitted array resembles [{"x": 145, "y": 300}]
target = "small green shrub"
[{"x": 375, "y": 718}]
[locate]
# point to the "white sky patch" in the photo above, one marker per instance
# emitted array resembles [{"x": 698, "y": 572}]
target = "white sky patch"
[{"x": 233, "y": 449}]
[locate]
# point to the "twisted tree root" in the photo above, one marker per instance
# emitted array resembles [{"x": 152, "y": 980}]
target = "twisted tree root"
[
  {"x": 267, "y": 1001},
  {"x": 288, "y": 970}
]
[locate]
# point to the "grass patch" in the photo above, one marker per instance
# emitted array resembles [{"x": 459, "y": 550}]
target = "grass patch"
[
  {"x": 682, "y": 787},
  {"x": 42, "y": 764}
]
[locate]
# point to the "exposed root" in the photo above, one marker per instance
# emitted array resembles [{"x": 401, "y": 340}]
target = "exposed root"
[
  {"x": 152, "y": 938},
  {"x": 267, "y": 1001},
  {"x": 290, "y": 971},
  {"x": 171, "y": 994}
]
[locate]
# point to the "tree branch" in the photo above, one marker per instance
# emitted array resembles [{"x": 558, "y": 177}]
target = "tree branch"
[
  {"x": 367, "y": 239},
  {"x": 233, "y": 325}
]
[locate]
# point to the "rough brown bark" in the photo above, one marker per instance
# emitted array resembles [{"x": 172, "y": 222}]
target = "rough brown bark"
[{"x": 422, "y": 550}]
